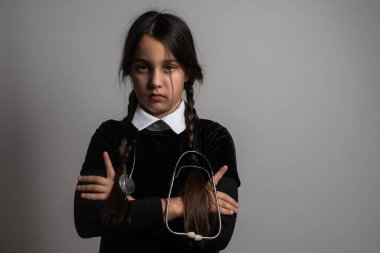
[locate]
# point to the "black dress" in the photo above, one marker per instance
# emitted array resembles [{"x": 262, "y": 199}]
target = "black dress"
[{"x": 156, "y": 155}]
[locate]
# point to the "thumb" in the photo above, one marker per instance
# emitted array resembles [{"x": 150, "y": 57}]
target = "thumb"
[
  {"x": 109, "y": 168},
  {"x": 218, "y": 175}
]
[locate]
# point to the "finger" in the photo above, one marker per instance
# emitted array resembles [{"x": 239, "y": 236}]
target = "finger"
[
  {"x": 130, "y": 198},
  {"x": 93, "y": 179},
  {"x": 225, "y": 211},
  {"x": 225, "y": 208},
  {"x": 218, "y": 175},
  {"x": 227, "y": 199},
  {"x": 228, "y": 206},
  {"x": 93, "y": 188},
  {"x": 94, "y": 196},
  {"x": 109, "y": 168}
]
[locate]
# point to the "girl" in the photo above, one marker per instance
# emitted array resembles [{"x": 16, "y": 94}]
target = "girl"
[{"x": 159, "y": 59}]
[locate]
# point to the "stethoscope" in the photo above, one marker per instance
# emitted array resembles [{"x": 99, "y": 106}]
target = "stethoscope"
[{"x": 127, "y": 186}]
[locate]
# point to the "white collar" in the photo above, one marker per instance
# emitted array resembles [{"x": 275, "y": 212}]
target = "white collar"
[{"x": 175, "y": 120}]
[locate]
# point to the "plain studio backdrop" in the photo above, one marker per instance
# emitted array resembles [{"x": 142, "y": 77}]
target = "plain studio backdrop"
[{"x": 295, "y": 82}]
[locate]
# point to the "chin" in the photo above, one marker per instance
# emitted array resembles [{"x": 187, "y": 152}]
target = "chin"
[{"x": 157, "y": 112}]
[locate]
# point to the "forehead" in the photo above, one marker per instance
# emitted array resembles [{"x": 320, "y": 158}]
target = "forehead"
[{"x": 151, "y": 49}]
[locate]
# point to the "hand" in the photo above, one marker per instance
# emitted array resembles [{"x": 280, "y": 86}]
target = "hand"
[
  {"x": 227, "y": 205},
  {"x": 98, "y": 187}
]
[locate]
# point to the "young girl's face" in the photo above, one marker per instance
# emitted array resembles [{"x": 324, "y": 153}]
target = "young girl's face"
[{"x": 158, "y": 78}]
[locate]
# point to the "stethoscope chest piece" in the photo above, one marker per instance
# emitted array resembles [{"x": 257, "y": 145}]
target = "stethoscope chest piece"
[{"x": 127, "y": 185}]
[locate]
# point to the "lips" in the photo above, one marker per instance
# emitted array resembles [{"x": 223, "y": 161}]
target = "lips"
[{"x": 157, "y": 97}]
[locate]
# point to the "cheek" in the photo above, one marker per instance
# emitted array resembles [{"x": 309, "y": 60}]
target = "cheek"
[
  {"x": 179, "y": 82},
  {"x": 178, "y": 87},
  {"x": 139, "y": 82}
]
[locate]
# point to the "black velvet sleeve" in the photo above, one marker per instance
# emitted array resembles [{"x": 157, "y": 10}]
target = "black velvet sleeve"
[
  {"x": 218, "y": 145},
  {"x": 147, "y": 212}
]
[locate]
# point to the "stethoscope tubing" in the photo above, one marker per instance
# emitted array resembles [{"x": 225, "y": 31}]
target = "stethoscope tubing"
[{"x": 192, "y": 234}]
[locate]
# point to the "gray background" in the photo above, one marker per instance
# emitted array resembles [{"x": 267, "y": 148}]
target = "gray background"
[{"x": 295, "y": 82}]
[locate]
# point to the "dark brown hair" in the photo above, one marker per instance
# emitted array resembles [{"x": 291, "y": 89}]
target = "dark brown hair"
[{"x": 176, "y": 36}]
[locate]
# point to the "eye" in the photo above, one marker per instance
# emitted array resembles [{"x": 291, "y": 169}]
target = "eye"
[
  {"x": 142, "y": 67},
  {"x": 169, "y": 67}
]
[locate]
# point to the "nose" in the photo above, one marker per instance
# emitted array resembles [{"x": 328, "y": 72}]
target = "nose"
[{"x": 155, "y": 79}]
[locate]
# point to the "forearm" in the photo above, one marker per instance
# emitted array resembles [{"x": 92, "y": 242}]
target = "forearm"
[
  {"x": 140, "y": 215},
  {"x": 87, "y": 217},
  {"x": 175, "y": 208}
]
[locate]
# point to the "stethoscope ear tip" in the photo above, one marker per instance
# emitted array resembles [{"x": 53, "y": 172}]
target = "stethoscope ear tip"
[
  {"x": 191, "y": 235},
  {"x": 194, "y": 236},
  {"x": 198, "y": 238}
]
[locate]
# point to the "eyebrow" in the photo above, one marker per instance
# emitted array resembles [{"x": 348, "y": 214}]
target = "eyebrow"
[
  {"x": 139, "y": 59},
  {"x": 165, "y": 61}
]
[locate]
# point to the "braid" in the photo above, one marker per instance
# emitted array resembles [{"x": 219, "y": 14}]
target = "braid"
[
  {"x": 126, "y": 143},
  {"x": 196, "y": 199},
  {"x": 115, "y": 205},
  {"x": 190, "y": 117}
]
